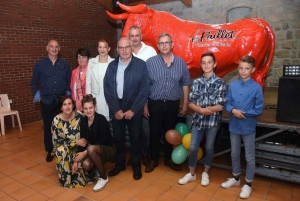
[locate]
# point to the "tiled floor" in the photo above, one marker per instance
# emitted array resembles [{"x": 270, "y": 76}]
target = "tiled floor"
[{"x": 25, "y": 175}]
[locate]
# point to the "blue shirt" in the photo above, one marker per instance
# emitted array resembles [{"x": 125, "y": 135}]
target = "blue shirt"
[
  {"x": 247, "y": 97},
  {"x": 204, "y": 93},
  {"x": 167, "y": 82},
  {"x": 120, "y": 77},
  {"x": 54, "y": 80}
]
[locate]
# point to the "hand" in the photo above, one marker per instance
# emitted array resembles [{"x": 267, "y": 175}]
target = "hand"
[
  {"x": 146, "y": 111},
  {"x": 119, "y": 115},
  {"x": 81, "y": 142},
  {"x": 75, "y": 168},
  {"x": 128, "y": 114},
  {"x": 184, "y": 109},
  {"x": 79, "y": 156},
  {"x": 238, "y": 113},
  {"x": 207, "y": 111}
]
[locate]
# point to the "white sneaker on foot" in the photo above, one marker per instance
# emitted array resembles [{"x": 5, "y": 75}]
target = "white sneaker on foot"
[
  {"x": 204, "y": 179},
  {"x": 231, "y": 182},
  {"x": 245, "y": 191},
  {"x": 100, "y": 184},
  {"x": 187, "y": 178}
]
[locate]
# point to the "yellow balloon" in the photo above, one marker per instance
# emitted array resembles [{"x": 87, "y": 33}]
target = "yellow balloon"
[
  {"x": 199, "y": 153},
  {"x": 186, "y": 141}
]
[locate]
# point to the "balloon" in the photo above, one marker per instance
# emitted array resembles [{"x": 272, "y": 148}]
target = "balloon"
[
  {"x": 179, "y": 154},
  {"x": 173, "y": 137},
  {"x": 199, "y": 153},
  {"x": 182, "y": 129},
  {"x": 186, "y": 141}
]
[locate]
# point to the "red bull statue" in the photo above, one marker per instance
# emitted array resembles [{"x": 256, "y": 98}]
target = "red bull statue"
[{"x": 229, "y": 42}]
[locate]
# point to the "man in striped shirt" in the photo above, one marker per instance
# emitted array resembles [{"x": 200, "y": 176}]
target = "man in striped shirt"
[{"x": 169, "y": 80}]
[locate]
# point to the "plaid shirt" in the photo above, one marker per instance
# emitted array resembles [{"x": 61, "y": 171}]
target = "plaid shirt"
[{"x": 204, "y": 93}]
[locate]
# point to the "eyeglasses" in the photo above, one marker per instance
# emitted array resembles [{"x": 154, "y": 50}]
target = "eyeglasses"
[
  {"x": 167, "y": 43},
  {"x": 124, "y": 48}
]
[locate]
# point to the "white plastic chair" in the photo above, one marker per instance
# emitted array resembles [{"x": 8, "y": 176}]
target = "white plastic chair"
[{"x": 6, "y": 111}]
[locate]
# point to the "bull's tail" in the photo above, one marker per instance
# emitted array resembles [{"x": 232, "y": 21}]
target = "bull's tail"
[{"x": 263, "y": 69}]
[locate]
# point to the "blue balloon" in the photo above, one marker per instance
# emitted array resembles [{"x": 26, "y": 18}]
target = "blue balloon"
[{"x": 179, "y": 154}]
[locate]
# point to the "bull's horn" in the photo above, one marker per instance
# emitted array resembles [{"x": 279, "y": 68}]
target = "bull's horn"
[
  {"x": 122, "y": 16},
  {"x": 134, "y": 9}
]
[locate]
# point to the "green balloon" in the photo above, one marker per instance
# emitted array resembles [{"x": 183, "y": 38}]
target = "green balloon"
[
  {"x": 179, "y": 154},
  {"x": 182, "y": 129}
]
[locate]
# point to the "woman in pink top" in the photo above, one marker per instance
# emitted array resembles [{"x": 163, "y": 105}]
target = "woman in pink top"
[{"x": 78, "y": 79}]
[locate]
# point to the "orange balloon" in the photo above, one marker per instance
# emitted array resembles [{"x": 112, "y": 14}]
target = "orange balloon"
[{"x": 173, "y": 137}]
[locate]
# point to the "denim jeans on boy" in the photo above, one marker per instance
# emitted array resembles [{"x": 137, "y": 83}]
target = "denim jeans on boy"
[
  {"x": 249, "y": 142},
  {"x": 209, "y": 146}
]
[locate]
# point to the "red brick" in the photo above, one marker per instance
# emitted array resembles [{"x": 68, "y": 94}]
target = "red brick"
[{"x": 27, "y": 25}]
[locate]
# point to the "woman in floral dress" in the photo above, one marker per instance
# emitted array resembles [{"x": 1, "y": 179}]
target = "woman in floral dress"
[{"x": 66, "y": 138}]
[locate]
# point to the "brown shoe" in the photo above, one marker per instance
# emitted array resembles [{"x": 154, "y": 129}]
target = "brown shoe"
[
  {"x": 150, "y": 167},
  {"x": 145, "y": 159},
  {"x": 172, "y": 165}
]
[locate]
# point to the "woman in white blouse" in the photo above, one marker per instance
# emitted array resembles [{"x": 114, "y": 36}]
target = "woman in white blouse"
[{"x": 94, "y": 79}]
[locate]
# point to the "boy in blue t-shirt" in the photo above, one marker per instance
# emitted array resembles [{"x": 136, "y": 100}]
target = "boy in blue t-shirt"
[{"x": 245, "y": 102}]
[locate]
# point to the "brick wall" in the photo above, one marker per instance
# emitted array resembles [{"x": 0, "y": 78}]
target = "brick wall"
[{"x": 25, "y": 28}]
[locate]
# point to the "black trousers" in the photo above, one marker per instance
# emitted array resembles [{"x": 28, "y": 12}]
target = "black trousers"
[
  {"x": 48, "y": 113},
  {"x": 135, "y": 128},
  {"x": 163, "y": 117}
]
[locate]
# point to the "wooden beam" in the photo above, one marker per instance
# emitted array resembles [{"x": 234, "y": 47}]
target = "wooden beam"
[
  {"x": 187, "y": 3},
  {"x": 107, "y": 4}
]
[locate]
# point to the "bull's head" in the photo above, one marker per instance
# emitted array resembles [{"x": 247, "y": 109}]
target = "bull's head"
[{"x": 139, "y": 15}]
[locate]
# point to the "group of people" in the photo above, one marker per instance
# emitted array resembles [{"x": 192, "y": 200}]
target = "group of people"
[{"x": 139, "y": 91}]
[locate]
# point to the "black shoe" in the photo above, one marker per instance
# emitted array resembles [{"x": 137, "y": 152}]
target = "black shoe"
[
  {"x": 49, "y": 157},
  {"x": 172, "y": 165},
  {"x": 116, "y": 171},
  {"x": 137, "y": 174}
]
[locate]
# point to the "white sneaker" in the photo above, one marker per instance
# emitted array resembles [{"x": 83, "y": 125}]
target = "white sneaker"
[
  {"x": 187, "y": 178},
  {"x": 245, "y": 191},
  {"x": 100, "y": 184},
  {"x": 204, "y": 179},
  {"x": 231, "y": 182}
]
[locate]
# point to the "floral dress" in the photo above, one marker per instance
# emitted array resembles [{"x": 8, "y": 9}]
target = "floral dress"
[{"x": 64, "y": 136}]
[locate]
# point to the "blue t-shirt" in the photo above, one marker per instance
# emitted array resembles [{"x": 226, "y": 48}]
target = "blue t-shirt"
[{"x": 247, "y": 97}]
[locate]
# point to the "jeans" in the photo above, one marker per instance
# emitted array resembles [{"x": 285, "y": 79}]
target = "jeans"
[
  {"x": 209, "y": 146},
  {"x": 249, "y": 142},
  {"x": 135, "y": 127},
  {"x": 163, "y": 117},
  {"x": 48, "y": 113},
  {"x": 145, "y": 136}
]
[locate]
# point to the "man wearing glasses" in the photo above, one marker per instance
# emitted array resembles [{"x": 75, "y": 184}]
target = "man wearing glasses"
[
  {"x": 126, "y": 88},
  {"x": 169, "y": 80},
  {"x": 50, "y": 79},
  {"x": 144, "y": 52}
]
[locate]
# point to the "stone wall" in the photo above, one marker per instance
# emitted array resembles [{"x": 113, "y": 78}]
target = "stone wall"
[{"x": 282, "y": 15}]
